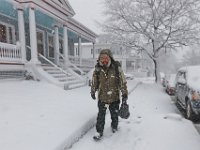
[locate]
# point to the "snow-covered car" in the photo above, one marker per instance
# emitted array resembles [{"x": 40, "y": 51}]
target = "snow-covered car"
[
  {"x": 188, "y": 91},
  {"x": 163, "y": 79},
  {"x": 170, "y": 84},
  {"x": 129, "y": 76}
]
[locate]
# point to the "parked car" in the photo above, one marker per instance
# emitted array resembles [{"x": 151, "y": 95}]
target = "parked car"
[
  {"x": 163, "y": 78},
  {"x": 163, "y": 81},
  {"x": 170, "y": 84},
  {"x": 188, "y": 91},
  {"x": 129, "y": 76}
]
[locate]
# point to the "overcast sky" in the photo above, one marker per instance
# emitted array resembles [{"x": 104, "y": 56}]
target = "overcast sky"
[{"x": 87, "y": 12}]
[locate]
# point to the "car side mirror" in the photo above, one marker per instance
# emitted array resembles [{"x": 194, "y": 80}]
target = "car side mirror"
[{"x": 181, "y": 81}]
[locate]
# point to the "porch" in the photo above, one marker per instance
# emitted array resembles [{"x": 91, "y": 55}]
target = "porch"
[
  {"x": 14, "y": 66},
  {"x": 42, "y": 34}
]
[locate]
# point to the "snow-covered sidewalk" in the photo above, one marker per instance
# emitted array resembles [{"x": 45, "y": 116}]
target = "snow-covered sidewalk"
[
  {"x": 41, "y": 116},
  {"x": 153, "y": 125}
]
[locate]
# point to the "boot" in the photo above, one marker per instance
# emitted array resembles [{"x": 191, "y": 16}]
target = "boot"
[
  {"x": 114, "y": 130},
  {"x": 97, "y": 136}
]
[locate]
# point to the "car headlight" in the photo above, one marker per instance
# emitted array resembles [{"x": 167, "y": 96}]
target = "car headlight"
[{"x": 194, "y": 95}]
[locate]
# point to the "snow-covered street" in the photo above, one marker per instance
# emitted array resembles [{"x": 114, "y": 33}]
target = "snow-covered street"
[{"x": 40, "y": 116}]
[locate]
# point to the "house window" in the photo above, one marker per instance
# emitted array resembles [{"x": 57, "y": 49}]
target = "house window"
[
  {"x": 10, "y": 31},
  {"x": 40, "y": 42},
  {"x": 61, "y": 46},
  {"x": 91, "y": 50},
  {"x": 77, "y": 52},
  {"x": 3, "y": 33},
  {"x": 99, "y": 50},
  {"x": 50, "y": 46},
  {"x": 7, "y": 33}
]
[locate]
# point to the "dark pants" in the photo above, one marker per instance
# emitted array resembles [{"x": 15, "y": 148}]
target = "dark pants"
[{"x": 114, "y": 108}]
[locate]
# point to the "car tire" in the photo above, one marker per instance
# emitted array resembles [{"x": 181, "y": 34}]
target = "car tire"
[
  {"x": 189, "y": 112},
  {"x": 177, "y": 103}
]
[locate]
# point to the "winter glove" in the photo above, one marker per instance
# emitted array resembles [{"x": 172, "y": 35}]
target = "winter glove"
[
  {"x": 124, "y": 98},
  {"x": 93, "y": 95}
]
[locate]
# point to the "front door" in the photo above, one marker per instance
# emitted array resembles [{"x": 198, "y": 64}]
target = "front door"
[{"x": 40, "y": 41}]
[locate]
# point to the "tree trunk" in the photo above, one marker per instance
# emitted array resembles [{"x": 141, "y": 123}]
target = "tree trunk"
[{"x": 155, "y": 70}]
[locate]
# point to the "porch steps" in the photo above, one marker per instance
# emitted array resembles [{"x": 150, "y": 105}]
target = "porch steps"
[
  {"x": 64, "y": 78},
  {"x": 12, "y": 74}
]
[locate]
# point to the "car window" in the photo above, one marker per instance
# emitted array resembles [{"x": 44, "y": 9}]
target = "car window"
[{"x": 181, "y": 74}]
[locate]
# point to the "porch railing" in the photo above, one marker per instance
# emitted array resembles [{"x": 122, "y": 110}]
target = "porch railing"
[
  {"x": 72, "y": 65},
  {"x": 84, "y": 62},
  {"x": 10, "y": 53}
]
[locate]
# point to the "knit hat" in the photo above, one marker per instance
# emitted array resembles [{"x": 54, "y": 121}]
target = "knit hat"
[{"x": 108, "y": 52}]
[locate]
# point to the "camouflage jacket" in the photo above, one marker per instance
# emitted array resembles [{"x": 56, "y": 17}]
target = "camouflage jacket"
[{"x": 108, "y": 83}]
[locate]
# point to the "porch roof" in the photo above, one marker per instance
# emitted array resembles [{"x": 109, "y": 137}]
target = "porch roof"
[{"x": 63, "y": 12}]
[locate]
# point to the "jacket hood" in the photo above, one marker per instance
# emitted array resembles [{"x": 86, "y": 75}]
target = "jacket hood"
[{"x": 108, "y": 52}]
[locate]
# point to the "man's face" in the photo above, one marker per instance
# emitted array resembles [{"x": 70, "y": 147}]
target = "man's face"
[{"x": 104, "y": 59}]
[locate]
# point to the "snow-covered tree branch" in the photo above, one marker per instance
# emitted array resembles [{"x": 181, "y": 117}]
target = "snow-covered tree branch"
[{"x": 153, "y": 26}]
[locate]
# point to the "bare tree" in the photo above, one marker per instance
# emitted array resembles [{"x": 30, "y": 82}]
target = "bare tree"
[{"x": 153, "y": 26}]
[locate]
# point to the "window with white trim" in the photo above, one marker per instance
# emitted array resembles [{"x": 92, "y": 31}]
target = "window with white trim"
[{"x": 7, "y": 33}]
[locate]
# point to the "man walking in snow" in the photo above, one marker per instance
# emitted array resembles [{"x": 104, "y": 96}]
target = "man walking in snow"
[{"x": 108, "y": 80}]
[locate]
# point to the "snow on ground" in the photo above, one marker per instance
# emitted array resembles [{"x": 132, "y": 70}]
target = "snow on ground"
[
  {"x": 153, "y": 125},
  {"x": 40, "y": 116}
]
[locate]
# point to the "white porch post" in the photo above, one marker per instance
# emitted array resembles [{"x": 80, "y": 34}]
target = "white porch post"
[
  {"x": 80, "y": 50},
  {"x": 93, "y": 48},
  {"x": 65, "y": 45},
  {"x": 33, "y": 38},
  {"x": 56, "y": 48},
  {"x": 21, "y": 29},
  {"x": 124, "y": 64}
]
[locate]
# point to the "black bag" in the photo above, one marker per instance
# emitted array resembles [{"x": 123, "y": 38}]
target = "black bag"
[{"x": 124, "y": 111}]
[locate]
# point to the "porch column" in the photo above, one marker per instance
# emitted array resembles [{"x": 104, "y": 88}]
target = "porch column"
[
  {"x": 33, "y": 37},
  {"x": 21, "y": 29},
  {"x": 124, "y": 64},
  {"x": 80, "y": 50},
  {"x": 93, "y": 48},
  {"x": 56, "y": 46},
  {"x": 94, "y": 53},
  {"x": 65, "y": 45}
]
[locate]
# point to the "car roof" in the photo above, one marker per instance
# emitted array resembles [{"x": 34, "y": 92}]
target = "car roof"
[
  {"x": 193, "y": 76},
  {"x": 189, "y": 68}
]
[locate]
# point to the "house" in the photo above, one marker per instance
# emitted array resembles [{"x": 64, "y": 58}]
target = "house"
[
  {"x": 37, "y": 37},
  {"x": 131, "y": 61},
  {"x": 92, "y": 55}
]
